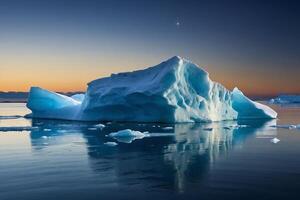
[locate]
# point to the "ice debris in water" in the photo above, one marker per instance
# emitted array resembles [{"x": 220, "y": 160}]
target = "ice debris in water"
[
  {"x": 128, "y": 135},
  {"x": 275, "y": 140},
  {"x": 286, "y": 99},
  {"x": 101, "y": 126},
  {"x": 47, "y": 129},
  {"x": 44, "y": 137},
  {"x": 18, "y": 128},
  {"x": 175, "y": 90},
  {"x": 111, "y": 144},
  {"x": 286, "y": 126},
  {"x": 168, "y": 128}
]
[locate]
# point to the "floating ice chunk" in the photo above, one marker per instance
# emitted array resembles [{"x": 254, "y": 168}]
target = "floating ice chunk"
[
  {"x": 168, "y": 128},
  {"x": 248, "y": 109},
  {"x": 286, "y": 99},
  {"x": 47, "y": 129},
  {"x": 93, "y": 128},
  {"x": 128, "y": 135},
  {"x": 18, "y": 128},
  {"x": 239, "y": 126},
  {"x": 286, "y": 126},
  {"x": 101, "y": 126},
  {"x": 275, "y": 140},
  {"x": 111, "y": 144},
  {"x": 44, "y": 137}
]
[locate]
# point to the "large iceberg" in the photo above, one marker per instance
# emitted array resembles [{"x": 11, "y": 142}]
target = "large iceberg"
[{"x": 173, "y": 91}]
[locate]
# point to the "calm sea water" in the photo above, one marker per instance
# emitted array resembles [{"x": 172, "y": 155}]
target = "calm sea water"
[{"x": 70, "y": 160}]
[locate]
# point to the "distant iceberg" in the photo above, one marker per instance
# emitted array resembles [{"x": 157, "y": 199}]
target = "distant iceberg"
[
  {"x": 286, "y": 99},
  {"x": 173, "y": 91}
]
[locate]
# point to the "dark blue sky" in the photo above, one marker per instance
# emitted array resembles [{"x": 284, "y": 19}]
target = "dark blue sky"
[{"x": 254, "y": 45}]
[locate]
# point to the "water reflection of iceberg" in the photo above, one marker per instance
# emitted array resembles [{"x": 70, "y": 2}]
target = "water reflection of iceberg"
[
  {"x": 153, "y": 162},
  {"x": 195, "y": 150}
]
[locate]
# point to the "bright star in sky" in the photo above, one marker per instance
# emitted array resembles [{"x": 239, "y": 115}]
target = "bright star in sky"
[{"x": 177, "y": 24}]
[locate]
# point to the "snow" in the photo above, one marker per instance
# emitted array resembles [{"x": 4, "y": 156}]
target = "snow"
[
  {"x": 286, "y": 99},
  {"x": 173, "y": 91},
  {"x": 248, "y": 109},
  {"x": 128, "y": 135}
]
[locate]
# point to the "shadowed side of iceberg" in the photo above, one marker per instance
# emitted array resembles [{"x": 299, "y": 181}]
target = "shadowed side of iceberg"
[{"x": 248, "y": 109}]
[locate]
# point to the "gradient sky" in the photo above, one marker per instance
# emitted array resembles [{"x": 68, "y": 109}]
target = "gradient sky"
[{"x": 62, "y": 45}]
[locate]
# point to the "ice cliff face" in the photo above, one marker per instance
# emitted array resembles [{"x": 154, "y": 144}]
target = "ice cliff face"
[{"x": 174, "y": 91}]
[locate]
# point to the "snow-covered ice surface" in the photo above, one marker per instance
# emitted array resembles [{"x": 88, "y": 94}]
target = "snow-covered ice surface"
[
  {"x": 173, "y": 91},
  {"x": 286, "y": 99}
]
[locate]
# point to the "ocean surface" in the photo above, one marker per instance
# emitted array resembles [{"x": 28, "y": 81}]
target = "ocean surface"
[{"x": 52, "y": 159}]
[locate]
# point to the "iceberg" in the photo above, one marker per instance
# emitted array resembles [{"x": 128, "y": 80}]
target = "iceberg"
[
  {"x": 248, "y": 109},
  {"x": 175, "y": 90}
]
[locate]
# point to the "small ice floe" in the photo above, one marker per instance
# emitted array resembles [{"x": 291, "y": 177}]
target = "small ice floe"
[
  {"x": 128, "y": 135},
  {"x": 47, "y": 129},
  {"x": 18, "y": 128},
  {"x": 92, "y": 129},
  {"x": 275, "y": 140},
  {"x": 101, "y": 126},
  {"x": 208, "y": 129},
  {"x": 62, "y": 131},
  {"x": 10, "y": 117},
  {"x": 286, "y": 126},
  {"x": 45, "y": 137},
  {"x": 168, "y": 128},
  {"x": 240, "y": 126},
  {"x": 111, "y": 144}
]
